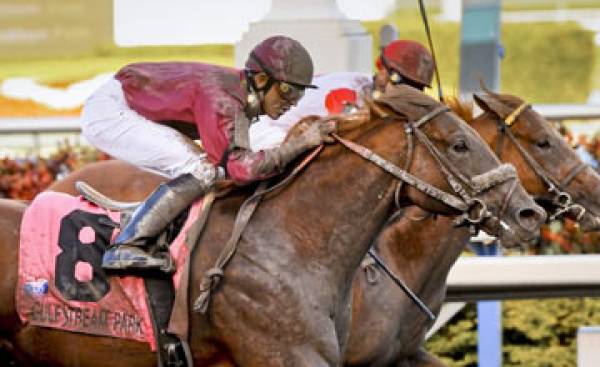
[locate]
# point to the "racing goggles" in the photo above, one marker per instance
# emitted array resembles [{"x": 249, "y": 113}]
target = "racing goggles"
[
  {"x": 396, "y": 78},
  {"x": 290, "y": 92}
]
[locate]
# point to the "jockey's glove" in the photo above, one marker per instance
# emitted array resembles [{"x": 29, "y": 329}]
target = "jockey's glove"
[
  {"x": 319, "y": 132},
  {"x": 316, "y": 134}
]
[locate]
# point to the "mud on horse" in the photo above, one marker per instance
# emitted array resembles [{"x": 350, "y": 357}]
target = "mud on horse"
[
  {"x": 421, "y": 248},
  {"x": 286, "y": 293}
]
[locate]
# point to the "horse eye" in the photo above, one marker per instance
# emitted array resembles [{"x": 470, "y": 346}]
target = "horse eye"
[
  {"x": 544, "y": 144},
  {"x": 460, "y": 147}
]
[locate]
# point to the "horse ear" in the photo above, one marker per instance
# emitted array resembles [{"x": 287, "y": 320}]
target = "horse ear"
[
  {"x": 491, "y": 104},
  {"x": 375, "y": 109}
]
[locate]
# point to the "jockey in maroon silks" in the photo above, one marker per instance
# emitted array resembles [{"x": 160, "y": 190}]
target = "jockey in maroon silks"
[{"x": 221, "y": 102}]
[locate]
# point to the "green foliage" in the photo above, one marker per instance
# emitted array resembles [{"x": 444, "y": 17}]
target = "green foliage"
[
  {"x": 536, "y": 333},
  {"x": 554, "y": 64},
  {"x": 456, "y": 343},
  {"x": 553, "y": 356},
  {"x": 596, "y": 76}
]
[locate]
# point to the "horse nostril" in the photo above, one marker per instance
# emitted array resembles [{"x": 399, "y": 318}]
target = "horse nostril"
[{"x": 530, "y": 218}]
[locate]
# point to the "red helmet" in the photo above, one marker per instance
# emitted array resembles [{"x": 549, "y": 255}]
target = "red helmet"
[
  {"x": 338, "y": 100},
  {"x": 283, "y": 59},
  {"x": 408, "y": 58}
]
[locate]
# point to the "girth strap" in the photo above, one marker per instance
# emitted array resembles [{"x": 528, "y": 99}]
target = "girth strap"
[{"x": 213, "y": 276}]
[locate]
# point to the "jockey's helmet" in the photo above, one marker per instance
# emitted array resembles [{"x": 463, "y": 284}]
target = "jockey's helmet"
[
  {"x": 407, "y": 59},
  {"x": 284, "y": 60}
]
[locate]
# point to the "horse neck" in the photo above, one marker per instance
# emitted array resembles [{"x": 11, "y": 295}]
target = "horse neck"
[
  {"x": 423, "y": 250},
  {"x": 327, "y": 217}
]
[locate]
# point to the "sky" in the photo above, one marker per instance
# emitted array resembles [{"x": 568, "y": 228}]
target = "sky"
[{"x": 184, "y": 22}]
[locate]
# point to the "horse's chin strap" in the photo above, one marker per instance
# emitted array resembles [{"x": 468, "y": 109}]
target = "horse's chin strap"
[{"x": 561, "y": 198}]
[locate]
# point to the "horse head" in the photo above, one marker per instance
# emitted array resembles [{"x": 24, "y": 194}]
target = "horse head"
[
  {"x": 548, "y": 167},
  {"x": 450, "y": 155}
]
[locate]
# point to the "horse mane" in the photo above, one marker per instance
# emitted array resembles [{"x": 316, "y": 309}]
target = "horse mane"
[
  {"x": 461, "y": 107},
  {"x": 464, "y": 108},
  {"x": 407, "y": 101}
]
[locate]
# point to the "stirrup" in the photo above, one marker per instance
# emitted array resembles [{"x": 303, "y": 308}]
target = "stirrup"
[
  {"x": 178, "y": 354},
  {"x": 131, "y": 258}
]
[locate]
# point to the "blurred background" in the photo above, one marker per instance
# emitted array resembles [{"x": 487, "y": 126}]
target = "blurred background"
[{"x": 55, "y": 53}]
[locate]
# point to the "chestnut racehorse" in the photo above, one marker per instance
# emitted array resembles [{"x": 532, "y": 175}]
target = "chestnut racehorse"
[
  {"x": 387, "y": 329},
  {"x": 286, "y": 294}
]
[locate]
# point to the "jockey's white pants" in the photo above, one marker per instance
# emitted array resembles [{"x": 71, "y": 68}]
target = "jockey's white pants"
[{"x": 110, "y": 125}]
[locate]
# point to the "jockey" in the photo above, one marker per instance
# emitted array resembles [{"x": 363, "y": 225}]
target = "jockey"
[
  {"x": 400, "y": 62},
  {"x": 133, "y": 117},
  {"x": 403, "y": 62}
]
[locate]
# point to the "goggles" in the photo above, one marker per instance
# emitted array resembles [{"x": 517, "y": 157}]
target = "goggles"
[
  {"x": 396, "y": 78},
  {"x": 289, "y": 92}
]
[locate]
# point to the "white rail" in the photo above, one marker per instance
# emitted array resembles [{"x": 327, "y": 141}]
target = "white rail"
[
  {"x": 568, "y": 111},
  {"x": 39, "y": 125},
  {"x": 493, "y": 278}
]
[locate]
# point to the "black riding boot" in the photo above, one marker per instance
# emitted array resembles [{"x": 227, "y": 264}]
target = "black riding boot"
[{"x": 149, "y": 220}]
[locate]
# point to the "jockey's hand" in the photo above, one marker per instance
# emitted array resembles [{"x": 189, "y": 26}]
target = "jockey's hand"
[{"x": 319, "y": 132}]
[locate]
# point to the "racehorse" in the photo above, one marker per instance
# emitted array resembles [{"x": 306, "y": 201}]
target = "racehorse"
[
  {"x": 286, "y": 293},
  {"x": 387, "y": 329}
]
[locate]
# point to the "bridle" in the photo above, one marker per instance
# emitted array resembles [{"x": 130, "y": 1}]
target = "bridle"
[
  {"x": 474, "y": 211},
  {"x": 556, "y": 187}
]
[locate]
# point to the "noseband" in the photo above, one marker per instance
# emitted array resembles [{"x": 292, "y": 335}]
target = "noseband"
[
  {"x": 557, "y": 188},
  {"x": 474, "y": 211}
]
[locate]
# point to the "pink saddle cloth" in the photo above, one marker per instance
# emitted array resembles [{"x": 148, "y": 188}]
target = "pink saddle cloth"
[{"x": 61, "y": 283}]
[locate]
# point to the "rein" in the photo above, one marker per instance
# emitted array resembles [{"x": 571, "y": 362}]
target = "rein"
[
  {"x": 474, "y": 211},
  {"x": 557, "y": 188}
]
